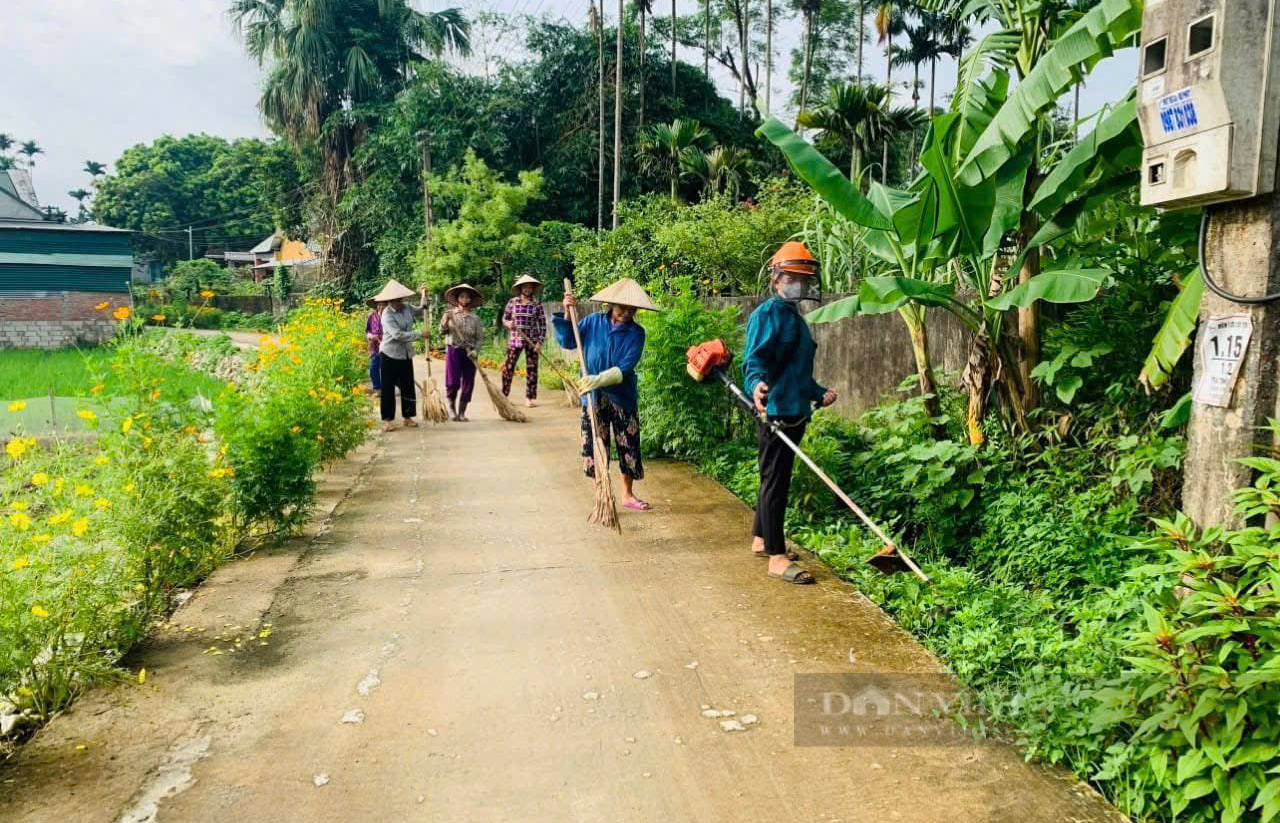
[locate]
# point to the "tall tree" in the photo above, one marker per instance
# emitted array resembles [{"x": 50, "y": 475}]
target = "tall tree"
[
  {"x": 324, "y": 59},
  {"x": 674, "y": 26},
  {"x": 79, "y": 196},
  {"x": 890, "y": 23},
  {"x": 859, "y": 118},
  {"x": 30, "y": 148},
  {"x": 810, "y": 9},
  {"x": 597, "y": 24},
  {"x": 644, "y": 8},
  {"x": 617, "y": 119},
  {"x": 661, "y": 147},
  {"x": 95, "y": 169}
]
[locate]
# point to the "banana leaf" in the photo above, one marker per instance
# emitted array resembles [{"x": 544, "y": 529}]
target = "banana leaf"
[
  {"x": 881, "y": 295},
  {"x": 1116, "y": 143},
  {"x": 839, "y": 310},
  {"x": 1175, "y": 333},
  {"x": 1057, "y": 286},
  {"x": 828, "y": 181},
  {"x": 1098, "y": 32}
]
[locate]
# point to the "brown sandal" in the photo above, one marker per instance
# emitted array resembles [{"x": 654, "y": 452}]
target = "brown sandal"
[
  {"x": 794, "y": 574},
  {"x": 765, "y": 555}
]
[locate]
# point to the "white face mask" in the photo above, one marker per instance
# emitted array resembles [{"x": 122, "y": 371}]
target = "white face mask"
[{"x": 792, "y": 291}]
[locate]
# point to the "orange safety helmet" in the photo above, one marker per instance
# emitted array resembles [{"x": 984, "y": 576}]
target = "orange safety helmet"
[{"x": 794, "y": 258}]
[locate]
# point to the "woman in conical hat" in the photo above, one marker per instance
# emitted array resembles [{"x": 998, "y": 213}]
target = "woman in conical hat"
[
  {"x": 464, "y": 333},
  {"x": 612, "y": 344},
  {"x": 777, "y": 370},
  {"x": 527, "y": 320},
  {"x": 396, "y": 352}
]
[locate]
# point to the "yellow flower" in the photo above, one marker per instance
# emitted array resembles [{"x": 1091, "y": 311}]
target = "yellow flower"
[
  {"x": 130, "y": 487},
  {"x": 39, "y": 479},
  {"x": 102, "y": 503},
  {"x": 126, "y": 425},
  {"x": 155, "y": 395},
  {"x": 21, "y": 563},
  {"x": 142, "y": 676},
  {"x": 102, "y": 460},
  {"x": 20, "y": 520},
  {"x": 295, "y": 429},
  {"x": 80, "y": 526},
  {"x": 87, "y": 414},
  {"x": 84, "y": 491},
  {"x": 97, "y": 388},
  {"x": 18, "y": 505},
  {"x": 18, "y": 445},
  {"x": 146, "y": 443},
  {"x": 39, "y": 612},
  {"x": 159, "y": 318},
  {"x": 206, "y": 294},
  {"x": 103, "y": 305},
  {"x": 220, "y": 472},
  {"x": 122, "y": 313},
  {"x": 17, "y": 405},
  {"x": 58, "y": 484},
  {"x": 41, "y": 539},
  {"x": 60, "y": 517}
]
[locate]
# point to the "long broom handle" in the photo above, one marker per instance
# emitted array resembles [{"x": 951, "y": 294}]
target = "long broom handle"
[
  {"x": 596, "y": 440},
  {"x": 831, "y": 484}
]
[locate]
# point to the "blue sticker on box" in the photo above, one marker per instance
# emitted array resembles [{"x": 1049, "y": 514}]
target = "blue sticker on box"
[{"x": 1178, "y": 112}]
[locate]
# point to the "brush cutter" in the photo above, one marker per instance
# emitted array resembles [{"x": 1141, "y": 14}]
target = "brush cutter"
[{"x": 710, "y": 359}]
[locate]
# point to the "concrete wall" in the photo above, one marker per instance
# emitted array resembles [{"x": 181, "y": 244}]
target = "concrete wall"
[
  {"x": 254, "y": 303},
  {"x": 55, "y": 320},
  {"x": 863, "y": 357}
]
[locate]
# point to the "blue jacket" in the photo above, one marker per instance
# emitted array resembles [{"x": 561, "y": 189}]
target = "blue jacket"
[
  {"x": 605, "y": 347},
  {"x": 779, "y": 353}
]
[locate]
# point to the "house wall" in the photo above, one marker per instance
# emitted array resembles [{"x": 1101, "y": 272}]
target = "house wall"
[
  {"x": 70, "y": 259},
  {"x": 55, "y": 320}
]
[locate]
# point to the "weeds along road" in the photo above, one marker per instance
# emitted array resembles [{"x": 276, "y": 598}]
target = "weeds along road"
[{"x": 454, "y": 642}]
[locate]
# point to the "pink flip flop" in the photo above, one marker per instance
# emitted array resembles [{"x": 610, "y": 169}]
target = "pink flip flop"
[{"x": 637, "y": 505}]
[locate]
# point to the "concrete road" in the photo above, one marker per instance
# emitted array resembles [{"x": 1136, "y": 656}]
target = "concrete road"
[{"x": 489, "y": 648}]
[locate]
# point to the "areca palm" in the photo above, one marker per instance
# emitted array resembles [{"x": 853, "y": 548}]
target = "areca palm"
[
  {"x": 79, "y": 196},
  {"x": 661, "y": 147},
  {"x": 890, "y": 22},
  {"x": 30, "y": 148},
  {"x": 810, "y": 9},
  {"x": 719, "y": 169},
  {"x": 860, "y": 117},
  {"x": 93, "y": 168},
  {"x": 325, "y": 57},
  {"x": 644, "y": 8}
]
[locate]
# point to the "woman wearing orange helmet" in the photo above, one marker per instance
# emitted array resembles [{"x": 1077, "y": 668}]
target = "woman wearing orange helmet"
[{"x": 777, "y": 369}]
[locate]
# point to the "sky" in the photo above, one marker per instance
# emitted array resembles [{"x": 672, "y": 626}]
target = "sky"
[{"x": 86, "y": 80}]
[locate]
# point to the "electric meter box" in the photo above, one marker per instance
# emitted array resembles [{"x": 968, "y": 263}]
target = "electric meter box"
[{"x": 1207, "y": 101}]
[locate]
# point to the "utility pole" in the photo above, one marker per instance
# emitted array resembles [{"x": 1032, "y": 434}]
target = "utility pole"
[
  {"x": 191, "y": 248},
  {"x": 617, "y": 118},
  {"x": 425, "y": 138}
]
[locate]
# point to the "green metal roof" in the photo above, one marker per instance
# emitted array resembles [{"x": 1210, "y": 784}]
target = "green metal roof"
[{"x": 62, "y": 257}]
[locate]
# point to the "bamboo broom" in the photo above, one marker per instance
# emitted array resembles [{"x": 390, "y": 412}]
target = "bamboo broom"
[
  {"x": 573, "y": 397},
  {"x": 606, "y": 508},
  {"x": 433, "y": 407},
  {"x": 505, "y": 409}
]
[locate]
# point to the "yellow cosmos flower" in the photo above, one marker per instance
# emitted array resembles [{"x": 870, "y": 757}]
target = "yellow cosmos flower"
[
  {"x": 102, "y": 460},
  {"x": 39, "y": 612},
  {"x": 87, "y": 414},
  {"x": 20, "y": 520},
  {"x": 17, "y": 405},
  {"x": 101, "y": 306},
  {"x": 295, "y": 429},
  {"x": 16, "y": 447},
  {"x": 80, "y": 526},
  {"x": 102, "y": 503},
  {"x": 126, "y": 425},
  {"x": 122, "y": 313},
  {"x": 130, "y": 487},
  {"x": 18, "y": 505},
  {"x": 155, "y": 395},
  {"x": 39, "y": 479},
  {"x": 58, "y": 484},
  {"x": 21, "y": 563},
  {"x": 159, "y": 318},
  {"x": 42, "y": 538},
  {"x": 220, "y": 472},
  {"x": 84, "y": 491},
  {"x": 206, "y": 294},
  {"x": 60, "y": 517},
  {"x": 97, "y": 388}
]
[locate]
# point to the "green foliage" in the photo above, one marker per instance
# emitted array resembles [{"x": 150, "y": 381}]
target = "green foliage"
[
  {"x": 187, "y": 278},
  {"x": 720, "y": 245},
  {"x": 484, "y": 235},
  {"x": 682, "y": 418},
  {"x": 26, "y": 373}
]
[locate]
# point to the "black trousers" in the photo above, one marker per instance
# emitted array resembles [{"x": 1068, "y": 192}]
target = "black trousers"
[
  {"x": 397, "y": 373},
  {"x": 776, "y": 462}
]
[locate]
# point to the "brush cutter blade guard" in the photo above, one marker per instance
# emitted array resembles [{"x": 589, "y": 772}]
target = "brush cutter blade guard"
[
  {"x": 705, "y": 358},
  {"x": 888, "y": 561}
]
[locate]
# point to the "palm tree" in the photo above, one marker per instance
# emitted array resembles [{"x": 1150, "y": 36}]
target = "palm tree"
[
  {"x": 6, "y": 141},
  {"x": 94, "y": 169},
  {"x": 706, "y": 39},
  {"x": 860, "y": 117},
  {"x": 79, "y": 195},
  {"x": 30, "y": 148},
  {"x": 890, "y": 22},
  {"x": 644, "y": 8},
  {"x": 660, "y": 148},
  {"x": 325, "y": 57},
  {"x": 810, "y": 10},
  {"x": 673, "y": 48},
  {"x": 596, "y": 22},
  {"x": 768, "y": 56},
  {"x": 617, "y": 120},
  {"x": 718, "y": 169},
  {"x": 7, "y": 162}
]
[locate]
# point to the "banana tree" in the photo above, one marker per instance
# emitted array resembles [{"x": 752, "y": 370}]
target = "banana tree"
[{"x": 943, "y": 233}]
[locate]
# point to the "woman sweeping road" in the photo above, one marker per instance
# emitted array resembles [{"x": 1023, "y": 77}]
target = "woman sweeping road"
[
  {"x": 777, "y": 369},
  {"x": 465, "y": 335},
  {"x": 396, "y": 353},
  {"x": 527, "y": 320},
  {"x": 612, "y": 343}
]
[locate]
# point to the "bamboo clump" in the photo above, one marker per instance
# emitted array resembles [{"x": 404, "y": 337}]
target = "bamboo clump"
[{"x": 605, "y": 509}]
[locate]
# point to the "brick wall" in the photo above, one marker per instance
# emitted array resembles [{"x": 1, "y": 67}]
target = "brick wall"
[{"x": 54, "y": 320}]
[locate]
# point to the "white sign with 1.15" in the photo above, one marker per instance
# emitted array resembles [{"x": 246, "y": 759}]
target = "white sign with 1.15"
[{"x": 1219, "y": 352}]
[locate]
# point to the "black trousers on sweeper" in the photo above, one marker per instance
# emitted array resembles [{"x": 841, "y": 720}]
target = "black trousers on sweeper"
[
  {"x": 776, "y": 461},
  {"x": 398, "y": 374}
]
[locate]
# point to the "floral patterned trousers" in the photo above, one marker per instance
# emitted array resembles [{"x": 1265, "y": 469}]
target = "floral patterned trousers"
[
  {"x": 530, "y": 368},
  {"x": 624, "y": 426}
]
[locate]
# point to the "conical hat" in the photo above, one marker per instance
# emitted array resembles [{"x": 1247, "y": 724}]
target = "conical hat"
[
  {"x": 524, "y": 281},
  {"x": 626, "y": 292},
  {"x": 451, "y": 296},
  {"x": 394, "y": 290}
]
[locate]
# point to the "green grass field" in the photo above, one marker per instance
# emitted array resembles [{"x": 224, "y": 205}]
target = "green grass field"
[{"x": 27, "y": 373}]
